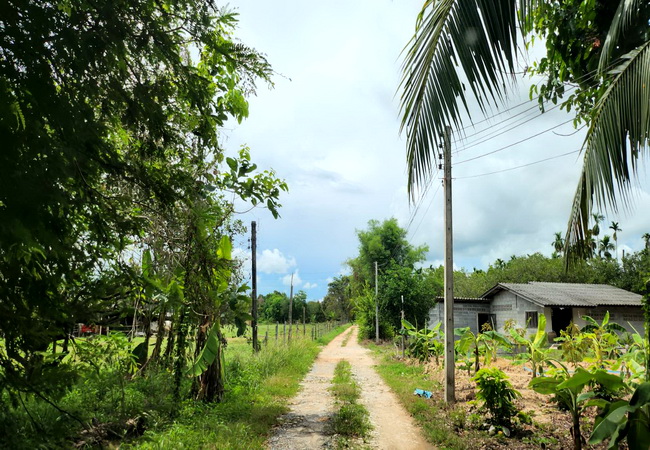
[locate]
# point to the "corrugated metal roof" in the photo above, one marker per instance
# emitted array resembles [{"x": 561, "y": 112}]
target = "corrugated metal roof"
[
  {"x": 466, "y": 299},
  {"x": 570, "y": 294}
]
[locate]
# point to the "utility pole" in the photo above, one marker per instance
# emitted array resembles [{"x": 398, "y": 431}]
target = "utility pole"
[
  {"x": 450, "y": 363},
  {"x": 290, "y": 307},
  {"x": 256, "y": 346},
  {"x": 402, "y": 329},
  {"x": 376, "y": 306}
]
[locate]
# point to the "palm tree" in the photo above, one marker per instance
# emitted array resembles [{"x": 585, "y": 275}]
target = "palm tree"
[
  {"x": 646, "y": 238},
  {"x": 604, "y": 247},
  {"x": 598, "y": 217},
  {"x": 558, "y": 243},
  {"x": 479, "y": 37},
  {"x": 614, "y": 226}
]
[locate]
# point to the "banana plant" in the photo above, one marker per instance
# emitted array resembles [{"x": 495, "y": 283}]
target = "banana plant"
[
  {"x": 568, "y": 391},
  {"x": 424, "y": 343},
  {"x": 602, "y": 336},
  {"x": 537, "y": 352},
  {"x": 625, "y": 420},
  {"x": 485, "y": 343}
]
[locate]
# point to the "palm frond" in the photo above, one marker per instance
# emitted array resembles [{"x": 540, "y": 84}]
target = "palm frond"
[
  {"x": 618, "y": 136},
  {"x": 624, "y": 17},
  {"x": 477, "y": 37}
]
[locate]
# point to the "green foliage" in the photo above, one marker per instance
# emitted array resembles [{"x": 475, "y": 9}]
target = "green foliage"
[
  {"x": 485, "y": 343},
  {"x": 573, "y": 344},
  {"x": 537, "y": 353},
  {"x": 385, "y": 244},
  {"x": 497, "y": 395},
  {"x": 568, "y": 392},
  {"x": 622, "y": 419},
  {"x": 424, "y": 343},
  {"x": 351, "y": 419},
  {"x": 602, "y": 336},
  {"x": 118, "y": 120}
]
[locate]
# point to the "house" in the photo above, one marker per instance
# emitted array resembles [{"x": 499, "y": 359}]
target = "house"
[{"x": 561, "y": 303}]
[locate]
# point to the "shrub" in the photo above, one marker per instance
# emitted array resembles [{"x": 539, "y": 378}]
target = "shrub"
[{"x": 497, "y": 395}]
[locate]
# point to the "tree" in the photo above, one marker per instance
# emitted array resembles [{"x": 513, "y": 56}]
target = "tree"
[
  {"x": 614, "y": 226},
  {"x": 109, "y": 114},
  {"x": 595, "y": 229},
  {"x": 337, "y": 302},
  {"x": 558, "y": 243},
  {"x": 605, "y": 247},
  {"x": 646, "y": 238},
  {"x": 386, "y": 244},
  {"x": 601, "y": 47}
]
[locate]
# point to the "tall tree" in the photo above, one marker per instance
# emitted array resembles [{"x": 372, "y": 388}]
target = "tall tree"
[
  {"x": 602, "y": 47},
  {"x": 108, "y": 112},
  {"x": 614, "y": 226},
  {"x": 558, "y": 243},
  {"x": 385, "y": 243}
]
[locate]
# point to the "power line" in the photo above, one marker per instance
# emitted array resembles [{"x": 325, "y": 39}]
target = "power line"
[
  {"x": 426, "y": 211},
  {"x": 518, "y": 167},
  {"x": 514, "y": 143},
  {"x": 496, "y": 131}
]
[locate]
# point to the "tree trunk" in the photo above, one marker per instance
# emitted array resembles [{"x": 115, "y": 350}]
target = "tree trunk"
[
  {"x": 155, "y": 354},
  {"x": 209, "y": 386},
  {"x": 179, "y": 360}
]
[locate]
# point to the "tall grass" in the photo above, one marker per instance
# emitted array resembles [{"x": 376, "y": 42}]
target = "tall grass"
[{"x": 137, "y": 413}]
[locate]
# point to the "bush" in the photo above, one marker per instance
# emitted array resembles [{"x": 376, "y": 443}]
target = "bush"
[{"x": 497, "y": 395}]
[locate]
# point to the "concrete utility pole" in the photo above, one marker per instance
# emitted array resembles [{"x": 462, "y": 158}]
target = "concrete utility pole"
[
  {"x": 256, "y": 345},
  {"x": 402, "y": 329},
  {"x": 376, "y": 305},
  {"x": 450, "y": 363},
  {"x": 290, "y": 307}
]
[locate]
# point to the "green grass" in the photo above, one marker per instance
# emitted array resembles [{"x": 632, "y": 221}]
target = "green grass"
[
  {"x": 258, "y": 388},
  {"x": 351, "y": 419}
]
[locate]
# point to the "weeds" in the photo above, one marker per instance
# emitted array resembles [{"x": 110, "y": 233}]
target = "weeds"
[{"x": 351, "y": 420}]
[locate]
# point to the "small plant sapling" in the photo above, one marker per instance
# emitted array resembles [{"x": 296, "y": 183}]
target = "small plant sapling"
[{"x": 498, "y": 396}]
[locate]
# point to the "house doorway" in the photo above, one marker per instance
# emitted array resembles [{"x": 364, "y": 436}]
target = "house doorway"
[
  {"x": 490, "y": 319},
  {"x": 561, "y": 318}
]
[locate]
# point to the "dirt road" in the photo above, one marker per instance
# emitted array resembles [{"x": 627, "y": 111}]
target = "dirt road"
[{"x": 305, "y": 426}]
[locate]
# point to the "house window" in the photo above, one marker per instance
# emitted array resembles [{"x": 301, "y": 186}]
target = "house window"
[{"x": 531, "y": 319}]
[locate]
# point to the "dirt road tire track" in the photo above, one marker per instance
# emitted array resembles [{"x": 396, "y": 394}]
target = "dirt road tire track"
[{"x": 305, "y": 426}]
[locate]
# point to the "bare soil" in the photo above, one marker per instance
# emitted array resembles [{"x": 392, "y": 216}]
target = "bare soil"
[{"x": 306, "y": 425}]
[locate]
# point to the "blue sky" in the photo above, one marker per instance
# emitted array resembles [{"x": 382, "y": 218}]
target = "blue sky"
[{"x": 330, "y": 128}]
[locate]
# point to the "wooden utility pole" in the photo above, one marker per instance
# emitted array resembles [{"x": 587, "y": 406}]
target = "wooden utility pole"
[
  {"x": 376, "y": 305},
  {"x": 450, "y": 363},
  {"x": 256, "y": 345},
  {"x": 290, "y": 307}
]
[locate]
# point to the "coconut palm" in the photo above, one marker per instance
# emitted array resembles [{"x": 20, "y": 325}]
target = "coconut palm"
[
  {"x": 605, "y": 247},
  {"x": 558, "y": 243},
  {"x": 595, "y": 229},
  {"x": 478, "y": 39},
  {"x": 614, "y": 226}
]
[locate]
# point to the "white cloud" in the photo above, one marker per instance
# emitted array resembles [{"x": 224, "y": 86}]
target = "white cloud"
[
  {"x": 273, "y": 261},
  {"x": 309, "y": 285}
]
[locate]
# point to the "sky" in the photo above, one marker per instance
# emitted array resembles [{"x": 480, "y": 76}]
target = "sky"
[{"x": 330, "y": 127}]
